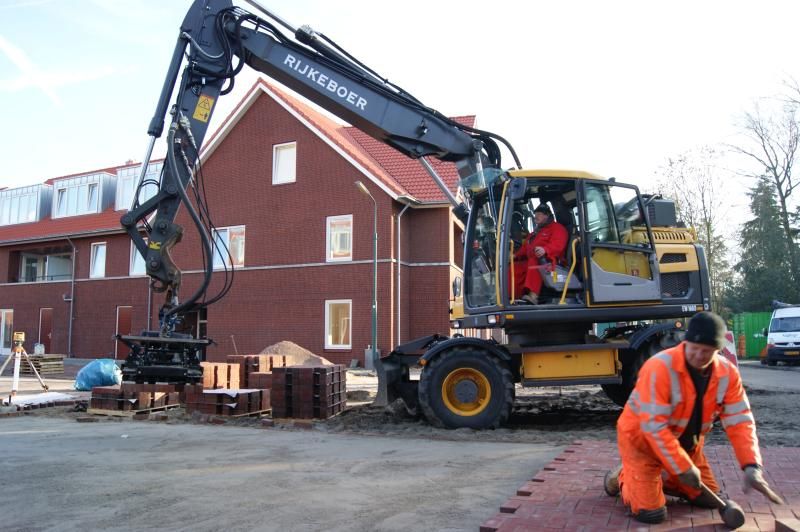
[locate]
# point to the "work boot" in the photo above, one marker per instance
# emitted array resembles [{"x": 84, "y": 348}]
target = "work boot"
[
  {"x": 611, "y": 481},
  {"x": 651, "y": 517}
]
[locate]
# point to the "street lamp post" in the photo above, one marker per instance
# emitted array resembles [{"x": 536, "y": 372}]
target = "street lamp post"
[{"x": 374, "y": 353}]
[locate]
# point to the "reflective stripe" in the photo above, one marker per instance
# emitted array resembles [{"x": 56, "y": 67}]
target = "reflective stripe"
[
  {"x": 655, "y": 409},
  {"x": 674, "y": 383},
  {"x": 735, "y": 408},
  {"x": 653, "y": 427},
  {"x": 723, "y": 389},
  {"x": 736, "y": 420},
  {"x": 707, "y": 426},
  {"x": 666, "y": 455},
  {"x": 681, "y": 423}
]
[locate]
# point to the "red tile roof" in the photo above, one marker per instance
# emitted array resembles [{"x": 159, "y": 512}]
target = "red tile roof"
[
  {"x": 403, "y": 174},
  {"x": 69, "y": 226},
  {"x": 338, "y": 134}
]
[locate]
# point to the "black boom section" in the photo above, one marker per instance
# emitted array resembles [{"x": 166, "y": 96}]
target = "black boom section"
[{"x": 410, "y": 131}]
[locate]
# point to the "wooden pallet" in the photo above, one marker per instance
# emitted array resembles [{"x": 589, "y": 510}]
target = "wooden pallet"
[
  {"x": 258, "y": 413},
  {"x": 44, "y": 364},
  {"x": 128, "y": 413}
]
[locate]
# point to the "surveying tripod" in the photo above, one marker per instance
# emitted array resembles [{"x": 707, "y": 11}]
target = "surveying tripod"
[{"x": 17, "y": 352}]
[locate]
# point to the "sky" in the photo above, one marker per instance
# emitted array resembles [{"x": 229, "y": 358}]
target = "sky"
[{"x": 612, "y": 87}]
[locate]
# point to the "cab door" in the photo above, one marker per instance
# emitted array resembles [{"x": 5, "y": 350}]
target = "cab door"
[{"x": 621, "y": 259}]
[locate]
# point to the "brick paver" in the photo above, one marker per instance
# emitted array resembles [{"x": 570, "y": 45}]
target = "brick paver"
[{"x": 568, "y": 494}]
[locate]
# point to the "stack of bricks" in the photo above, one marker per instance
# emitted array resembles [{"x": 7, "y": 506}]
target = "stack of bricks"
[
  {"x": 221, "y": 375},
  {"x": 226, "y": 402},
  {"x": 317, "y": 392},
  {"x": 255, "y": 370},
  {"x": 130, "y": 396}
]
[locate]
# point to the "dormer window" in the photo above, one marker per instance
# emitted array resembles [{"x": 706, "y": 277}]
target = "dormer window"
[
  {"x": 76, "y": 196},
  {"x": 128, "y": 180},
  {"x": 18, "y": 206}
]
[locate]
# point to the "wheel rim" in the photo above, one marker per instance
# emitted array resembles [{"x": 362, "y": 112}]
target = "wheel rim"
[{"x": 466, "y": 392}]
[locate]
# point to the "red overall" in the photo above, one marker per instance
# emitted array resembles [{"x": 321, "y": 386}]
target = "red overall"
[{"x": 553, "y": 237}]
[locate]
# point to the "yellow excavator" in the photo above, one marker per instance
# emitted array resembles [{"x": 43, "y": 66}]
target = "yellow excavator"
[{"x": 626, "y": 259}]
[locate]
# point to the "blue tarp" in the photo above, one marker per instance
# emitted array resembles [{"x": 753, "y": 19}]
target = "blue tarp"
[{"x": 101, "y": 372}]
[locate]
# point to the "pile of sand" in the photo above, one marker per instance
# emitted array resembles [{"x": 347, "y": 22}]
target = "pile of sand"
[{"x": 295, "y": 355}]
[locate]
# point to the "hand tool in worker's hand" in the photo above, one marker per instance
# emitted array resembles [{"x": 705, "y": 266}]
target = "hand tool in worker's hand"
[{"x": 731, "y": 513}]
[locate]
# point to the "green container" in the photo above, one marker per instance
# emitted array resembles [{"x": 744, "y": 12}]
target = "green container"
[{"x": 751, "y": 325}]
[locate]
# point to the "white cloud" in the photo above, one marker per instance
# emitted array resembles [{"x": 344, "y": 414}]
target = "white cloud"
[
  {"x": 31, "y": 76},
  {"x": 24, "y": 3}
]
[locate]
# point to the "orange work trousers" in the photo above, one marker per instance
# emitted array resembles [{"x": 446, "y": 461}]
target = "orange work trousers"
[{"x": 644, "y": 480}]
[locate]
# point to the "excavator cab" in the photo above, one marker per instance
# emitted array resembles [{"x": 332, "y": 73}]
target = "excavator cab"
[{"x": 610, "y": 260}]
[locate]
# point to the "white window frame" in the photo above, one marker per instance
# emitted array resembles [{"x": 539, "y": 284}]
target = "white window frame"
[
  {"x": 72, "y": 198},
  {"x": 328, "y": 303},
  {"x": 19, "y": 206},
  {"x": 221, "y": 253},
  {"x": 135, "y": 252},
  {"x": 94, "y": 274},
  {"x": 329, "y": 221},
  {"x": 276, "y": 149},
  {"x": 41, "y": 267},
  {"x": 128, "y": 178}
]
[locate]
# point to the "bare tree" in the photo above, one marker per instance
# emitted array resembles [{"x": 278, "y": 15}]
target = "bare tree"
[
  {"x": 695, "y": 181},
  {"x": 772, "y": 142}
]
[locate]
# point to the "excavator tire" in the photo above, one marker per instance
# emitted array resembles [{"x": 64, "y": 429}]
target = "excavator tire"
[
  {"x": 631, "y": 364},
  {"x": 466, "y": 387}
]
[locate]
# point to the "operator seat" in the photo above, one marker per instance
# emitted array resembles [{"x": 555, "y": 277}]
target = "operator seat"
[{"x": 564, "y": 216}]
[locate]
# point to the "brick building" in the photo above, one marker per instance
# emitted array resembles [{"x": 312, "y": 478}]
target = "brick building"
[{"x": 280, "y": 181}]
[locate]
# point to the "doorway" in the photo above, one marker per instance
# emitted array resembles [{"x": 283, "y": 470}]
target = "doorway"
[
  {"x": 123, "y": 328},
  {"x": 46, "y": 328},
  {"x": 6, "y": 330}
]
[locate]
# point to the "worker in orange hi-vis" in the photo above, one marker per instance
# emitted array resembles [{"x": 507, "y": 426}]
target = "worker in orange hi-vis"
[{"x": 679, "y": 394}]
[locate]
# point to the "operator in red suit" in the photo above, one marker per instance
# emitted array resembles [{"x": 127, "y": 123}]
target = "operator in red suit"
[{"x": 545, "y": 245}]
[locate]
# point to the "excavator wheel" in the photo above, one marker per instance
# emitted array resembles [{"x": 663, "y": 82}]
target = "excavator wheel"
[
  {"x": 466, "y": 387},
  {"x": 632, "y": 362}
]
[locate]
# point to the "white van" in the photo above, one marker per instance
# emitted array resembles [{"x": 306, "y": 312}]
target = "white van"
[{"x": 783, "y": 337}]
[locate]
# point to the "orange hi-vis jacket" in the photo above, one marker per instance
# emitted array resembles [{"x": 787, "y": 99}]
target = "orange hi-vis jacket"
[{"x": 661, "y": 404}]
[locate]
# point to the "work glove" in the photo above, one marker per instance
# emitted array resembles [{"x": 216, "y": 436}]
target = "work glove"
[
  {"x": 691, "y": 478},
  {"x": 754, "y": 479}
]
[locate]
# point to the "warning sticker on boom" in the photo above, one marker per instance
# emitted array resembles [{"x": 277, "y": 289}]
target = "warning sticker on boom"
[{"x": 202, "y": 111}]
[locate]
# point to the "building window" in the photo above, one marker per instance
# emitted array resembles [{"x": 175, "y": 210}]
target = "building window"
[
  {"x": 77, "y": 196},
  {"x": 18, "y": 206},
  {"x": 33, "y": 267},
  {"x": 284, "y": 163},
  {"x": 337, "y": 323},
  {"x": 37, "y": 268},
  {"x": 97, "y": 267},
  {"x": 229, "y": 247},
  {"x": 128, "y": 179},
  {"x": 137, "y": 266},
  {"x": 339, "y": 241}
]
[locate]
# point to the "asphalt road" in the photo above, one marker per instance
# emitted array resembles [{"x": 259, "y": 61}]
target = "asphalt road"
[{"x": 776, "y": 378}]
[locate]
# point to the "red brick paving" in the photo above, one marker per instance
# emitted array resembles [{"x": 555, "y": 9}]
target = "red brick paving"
[{"x": 567, "y": 494}]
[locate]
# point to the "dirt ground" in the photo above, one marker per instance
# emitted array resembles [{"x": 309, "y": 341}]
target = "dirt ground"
[{"x": 562, "y": 415}]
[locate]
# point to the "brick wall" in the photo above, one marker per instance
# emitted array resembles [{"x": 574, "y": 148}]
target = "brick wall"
[{"x": 285, "y": 225}]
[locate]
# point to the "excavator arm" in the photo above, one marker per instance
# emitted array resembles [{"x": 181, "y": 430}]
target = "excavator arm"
[{"x": 215, "y": 41}]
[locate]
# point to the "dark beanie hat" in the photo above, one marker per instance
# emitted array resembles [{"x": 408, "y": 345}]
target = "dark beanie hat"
[
  {"x": 706, "y": 328},
  {"x": 543, "y": 208}
]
